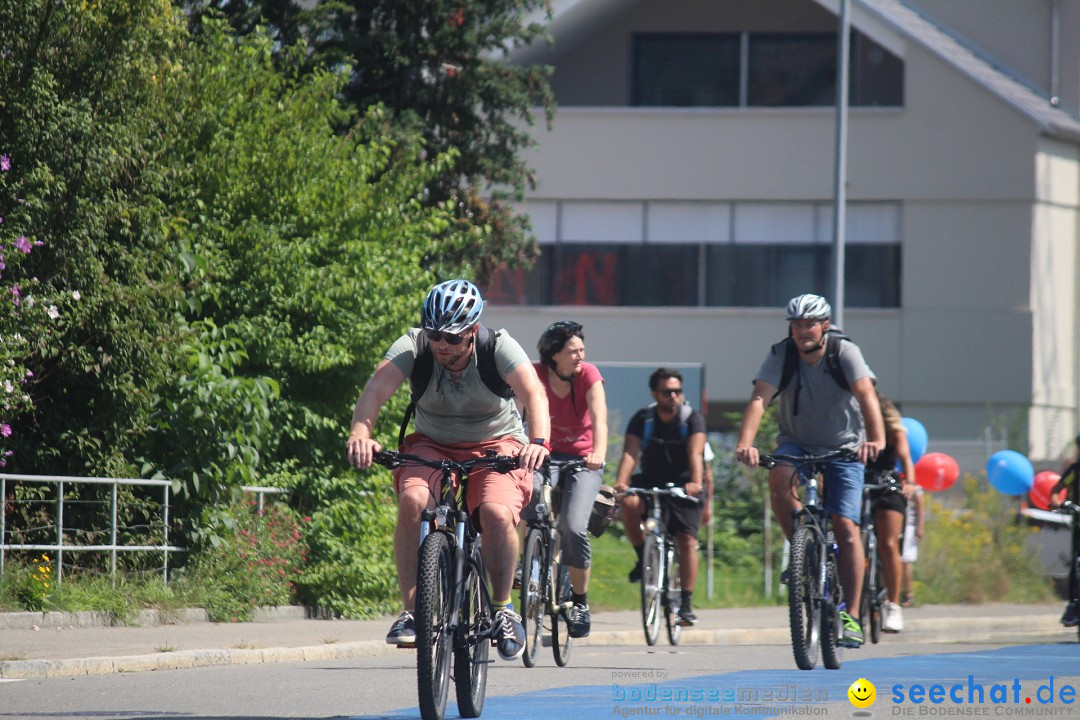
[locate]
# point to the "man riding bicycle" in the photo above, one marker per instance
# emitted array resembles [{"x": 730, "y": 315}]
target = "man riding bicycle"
[
  {"x": 669, "y": 439},
  {"x": 459, "y": 417},
  {"x": 578, "y": 406},
  {"x": 818, "y": 415}
]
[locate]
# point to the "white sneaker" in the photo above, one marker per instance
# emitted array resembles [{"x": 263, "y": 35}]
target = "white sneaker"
[{"x": 892, "y": 620}]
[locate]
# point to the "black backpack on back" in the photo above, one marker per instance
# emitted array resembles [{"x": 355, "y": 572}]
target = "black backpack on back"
[
  {"x": 791, "y": 362},
  {"x": 424, "y": 368}
]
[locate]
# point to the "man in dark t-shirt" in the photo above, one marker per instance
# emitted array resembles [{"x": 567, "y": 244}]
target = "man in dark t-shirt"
[{"x": 668, "y": 440}]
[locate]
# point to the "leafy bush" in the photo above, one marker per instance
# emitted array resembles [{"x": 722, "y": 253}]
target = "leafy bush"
[
  {"x": 253, "y": 563},
  {"x": 977, "y": 553},
  {"x": 352, "y": 572}
]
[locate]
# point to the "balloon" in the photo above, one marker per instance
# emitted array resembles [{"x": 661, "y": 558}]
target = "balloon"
[
  {"x": 936, "y": 471},
  {"x": 1010, "y": 472},
  {"x": 1040, "y": 489},
  {"x": 916, "y": 437}
]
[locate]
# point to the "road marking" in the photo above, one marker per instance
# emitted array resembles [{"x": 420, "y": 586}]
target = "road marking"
[{"x": 12, "y": 679}]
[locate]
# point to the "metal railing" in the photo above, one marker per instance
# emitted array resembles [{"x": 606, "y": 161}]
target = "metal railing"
[{"x": 59, "y": 547}]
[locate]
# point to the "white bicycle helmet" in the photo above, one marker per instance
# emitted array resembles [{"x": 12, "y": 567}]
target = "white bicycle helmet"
[
  {"x": 810, "y": 307},
  {"x": 453, "y": 306}
]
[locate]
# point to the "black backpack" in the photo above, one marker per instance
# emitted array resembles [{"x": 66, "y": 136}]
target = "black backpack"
[
  {"x": 424, "y": 367},
  {"x": 791, "y": 362}
]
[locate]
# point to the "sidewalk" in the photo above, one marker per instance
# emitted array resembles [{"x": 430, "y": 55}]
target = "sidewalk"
[{"x": 35, "y": 645}]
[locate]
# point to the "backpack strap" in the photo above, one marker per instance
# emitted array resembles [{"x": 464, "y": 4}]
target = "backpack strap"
[
  {"x": 424, "y": 367},
  {"x": 650, "y": 421},
  {"x": 791, "y": 362}
]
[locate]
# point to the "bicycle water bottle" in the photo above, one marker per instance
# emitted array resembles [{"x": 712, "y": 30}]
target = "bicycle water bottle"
[{"x": 811, "y": 491}]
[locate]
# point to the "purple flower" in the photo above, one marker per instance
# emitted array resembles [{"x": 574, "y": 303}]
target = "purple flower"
[
  {"x": 15, "y": 294},
  {"x": 5, "y": 163},
  {"x": 5, "y": 430},
  {"x": 22, "y": 244}
]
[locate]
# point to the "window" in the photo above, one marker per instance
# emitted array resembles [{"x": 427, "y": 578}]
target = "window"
[
  {"x": 686, "y": 70},
  {"x": 781, "y": 70},
  {"x": 686, "y": 254}
]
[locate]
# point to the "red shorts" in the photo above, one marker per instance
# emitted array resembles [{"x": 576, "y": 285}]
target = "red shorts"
[{"x": 486, "y": 485}]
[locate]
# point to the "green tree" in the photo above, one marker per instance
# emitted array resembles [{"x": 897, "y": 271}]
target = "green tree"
[
  {"x": 439, "y": 67},
  {"x": 84, "y": 312}
]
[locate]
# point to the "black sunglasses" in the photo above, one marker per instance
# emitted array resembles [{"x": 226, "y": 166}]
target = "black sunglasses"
[
  {"x": 670, "y": 392},
  {"x": 438, "y": 335}
]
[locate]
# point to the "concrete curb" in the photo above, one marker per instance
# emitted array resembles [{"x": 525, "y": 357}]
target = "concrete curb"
[{"x": 144, "y": 618}]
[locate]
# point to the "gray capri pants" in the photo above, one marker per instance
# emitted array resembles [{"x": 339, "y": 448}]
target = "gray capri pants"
[{"x": 578, "y": 493}]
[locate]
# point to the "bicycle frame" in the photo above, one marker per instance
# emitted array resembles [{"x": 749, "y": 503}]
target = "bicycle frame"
[
  {"x": 657, "y": 592},
  {"x": 815, "y": 595},
  {"x": 444, "y": 636},
  {"x": 549, "y": 594}
]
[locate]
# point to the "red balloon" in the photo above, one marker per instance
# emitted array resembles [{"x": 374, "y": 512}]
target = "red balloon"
[
  {"x": 936, "y": 471},
  {"x": 1040, "y": 490}
]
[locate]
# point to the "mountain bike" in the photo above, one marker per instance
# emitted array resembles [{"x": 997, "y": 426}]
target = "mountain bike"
[
  {"x": 545, "y": 581},
  {"x": 871, "y": 605},
  {"x": 815, "y": 597},
  {"x": 453, "y": 604},
  {"x": 661, "y": 585}
]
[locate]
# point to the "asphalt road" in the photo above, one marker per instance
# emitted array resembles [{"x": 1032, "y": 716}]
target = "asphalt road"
[{"x": 714, "y": 680}]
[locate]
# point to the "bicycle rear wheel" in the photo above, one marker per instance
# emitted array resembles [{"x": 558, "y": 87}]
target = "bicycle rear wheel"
[
  {"x": 877, "y": 601},
  {"x": 651, "y": 569},
  {"x": 472, "y": 640},
  {"x": 534, "y": 583},
  {"x": 435, "y": 574},
  {"x": 832, "y": 653},
  {"x": 561, "y": 642},
  {"x": 804, "y": 597},
  {"x": 869, "y": 607},
  {"x": 673, "y": 596}
]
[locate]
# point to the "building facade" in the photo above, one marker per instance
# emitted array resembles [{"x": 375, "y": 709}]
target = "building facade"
[{"x": 684, "y": 193}]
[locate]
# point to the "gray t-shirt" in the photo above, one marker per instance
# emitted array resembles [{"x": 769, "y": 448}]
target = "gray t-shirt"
[
  {"x": 463, "y": 410},
  {"x": 829, "y": 416}
]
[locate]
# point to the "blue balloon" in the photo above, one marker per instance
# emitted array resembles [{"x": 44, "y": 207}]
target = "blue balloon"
[
  {"x": 1010, "y": 472},
  {"x": 916, "y": 437}
]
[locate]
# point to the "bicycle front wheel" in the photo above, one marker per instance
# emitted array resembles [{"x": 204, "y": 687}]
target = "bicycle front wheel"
[
  {"x": 673, "y": 596},
  {"x": 561, "y": 642},
  {"x": 804, "y": 597},
  {"x": 651, "y": 577},
  {"x": 472, "y": 640},
  {"x": 533, "y": 584},
  {"x": 434, "y": 586}
]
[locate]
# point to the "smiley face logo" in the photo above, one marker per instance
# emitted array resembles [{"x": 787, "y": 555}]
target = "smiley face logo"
[{"x": 862, "y": 693}]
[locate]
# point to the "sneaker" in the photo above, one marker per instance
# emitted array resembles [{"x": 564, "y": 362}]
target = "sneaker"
[
  {"x": 635, "y": 573},
  {"x": 403, "y": 631},
  {"x": 892, "y": 618},
  {"x": 851, "y": 633},
  {"x": 509, "y": 634},
  {"x": 907, "y": 600},
  {"x": 687, "y": 617},
  {"x": 1071, "y": 617},
  {"x": 785, "y": 576},
  {"x": 580, "y": 621}
]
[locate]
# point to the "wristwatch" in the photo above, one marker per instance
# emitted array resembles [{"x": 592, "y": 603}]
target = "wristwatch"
[{"x": 542, "y": 442}]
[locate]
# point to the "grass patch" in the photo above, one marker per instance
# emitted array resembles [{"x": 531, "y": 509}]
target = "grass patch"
[{"x": 613, "y": 556}]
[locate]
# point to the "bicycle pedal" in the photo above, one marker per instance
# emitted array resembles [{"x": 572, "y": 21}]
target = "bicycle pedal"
[{"x": 406, "y": 646}]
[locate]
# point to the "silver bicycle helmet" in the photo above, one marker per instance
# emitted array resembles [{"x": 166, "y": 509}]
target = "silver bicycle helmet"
[
  {"x": 810, "y": 307},
  {"x": 453, "y": 306}
]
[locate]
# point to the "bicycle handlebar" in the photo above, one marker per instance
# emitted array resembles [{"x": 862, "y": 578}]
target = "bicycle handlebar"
[
  {"x": 670, "y": 490},
  {"x": 393, "y": 459},
  {"x": 771, "y": 461}
]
